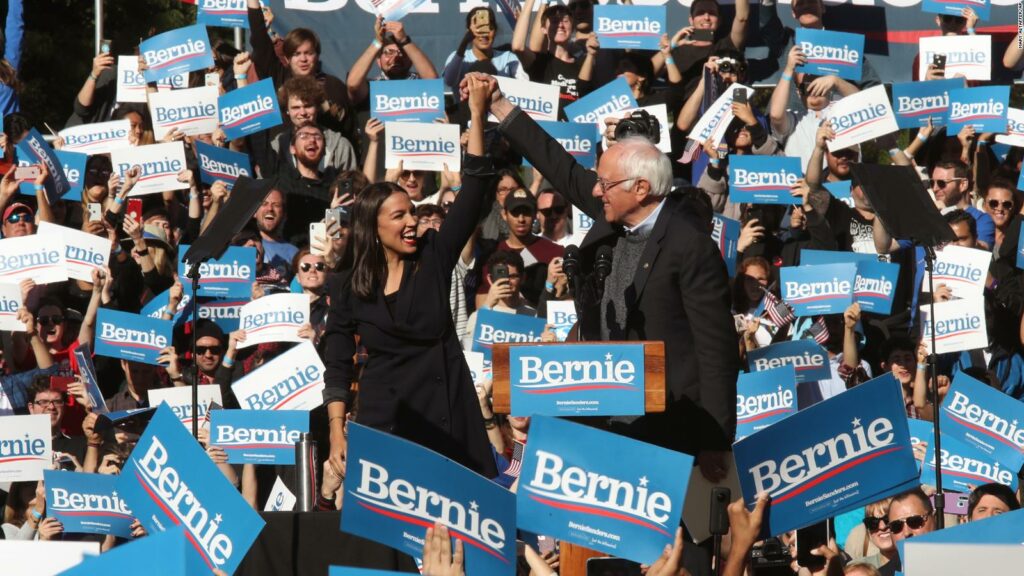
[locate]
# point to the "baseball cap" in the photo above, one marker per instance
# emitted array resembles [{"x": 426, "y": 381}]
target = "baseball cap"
[
  {"x": 518, "y": 199},
  {"x": 16, "y": 207},
  {"x": 702, "y": 6}
]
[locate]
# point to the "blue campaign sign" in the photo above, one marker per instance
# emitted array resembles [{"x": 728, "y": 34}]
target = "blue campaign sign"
[
  {"x": 916, "y": 102},
  {"x": 168, "y": 546},
  {"x": 635, "y": 27},
  {"x": 875, "y": 285},
  {"x": 726, "y": 234},
  {"x": 818, "y": 257},
  {"x": 83, "y": 357},
  {"x": 840, "y": 191},
  {"x": 176, "y": 52},
  {"x": 169, "y": 481},
  {"x": 601, "y": 490},
  {"x": 835, "y": 456},
  {"x": 498, "y": 327},
  {"x": 964, "y": 466},
  {"x": 224, "y": 312},
  {"x": 806, "y": 356},
  {"x": 33, "y": 149},
  {"x": 131, "y": 336},
  {"x": 985, "y": 418},
  {"x": 249, "y": 110},
  {"x": 764, "y": 398},
  {"x": 814, "y": 290},
  {"x": 831, "y": 53},
  {"x": 124, "y": 418},
  {"x": 921, "y": 431},
  {"x": 230, "y": 276},
  {"x": 984, "y": 107},
  {"x": 155, "y": 307},
  {"x": 224, "y": 13},
  {"x": 763, "y": 179},
  {"x": 577, "y": 380},
  {"x": 580, "y": 140},
  {"x": 217, "y": 163},
  {"x": 258, "y": 436},
  {"x": 397, "y": 489},
  {"x": 608, "y": 99},
  {"x": 407, "y": 100},
  {"x": 954, "y": 7},
  {"x": 87, "y": 503},
  {"x": 349, "y": 571},
  {"x": 74, "y": 170},
  {"x": 1020, "y": 238}
]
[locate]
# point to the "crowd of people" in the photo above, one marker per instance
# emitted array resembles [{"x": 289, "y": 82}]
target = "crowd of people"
[{"x": 398, "y": 278}]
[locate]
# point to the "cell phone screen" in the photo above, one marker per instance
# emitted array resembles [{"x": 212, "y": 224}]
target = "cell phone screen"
[{"x": 811, "y": 538}]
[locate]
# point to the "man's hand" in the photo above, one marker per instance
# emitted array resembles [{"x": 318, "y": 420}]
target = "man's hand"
[
  {"x": 396, "y": 29},
  {"x": 971, "y": 16},
  {"x": 500, "y": 290},
  {"x": 714, "y": 464},
  {"x": 744, "y": 112},
  {"x": 822, "y": 85},
  {"x": 851, "y": 316},
  {"x": 438, "y": 559},
  {"x": 102, "y": 61},
  {"x": 751, "y": 233},
  {"x": 671, "y": 559},
  {"x": 824, "y": 135},
  {"x": 795, "y": 58},
  {"x": 744, "y": 525},
  {"x": 242, "y": 63}
]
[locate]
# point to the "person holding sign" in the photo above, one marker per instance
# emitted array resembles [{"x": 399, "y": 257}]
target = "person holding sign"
[
  {"x": 396, "y": 55},
  {"x": 556, "y": 64},
  {"x": 481, "y": 30},
  {"x": 395, "y": 299}
]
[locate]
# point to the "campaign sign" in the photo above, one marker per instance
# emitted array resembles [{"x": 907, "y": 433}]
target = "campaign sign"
[
  {"x": 176, "y": 52},
  {"x": 258, "y": 436},
  {"x": 224, "y": 312},
  {"x": 600, "y": 490},
  {"x": 835, "y": 456},
  {"x": 32, "y": 257},
  {"x": 395, "y": 9},
  {"x": 174, "y": 82},
  {"x": 126, "y": 558},
  {"x": 954, "y": 7},
  {"x": 217, "y": 163},
  {"x": 87, "y": 503},
  {"x": 155, "y": 307},
  {"x": 875, "y": 286},
  {"x": 579, "y": 140},
  {"x": 192, "y": 111},
  {"x": 1005, "y": 528},
  {"x": 396, "y": 489},
  {"x": 223, "y": 13},
  {"x": 124, "y": 419},
  {"x": 249, "y": 110},
  {"x": 86, "y": 369},
  {"x": 10, "y": 302},
  {"x": 230, "y": 276},
  {"x": 969, "y": 56},
  {"x": 962, "y": 270},
  {"x": 984, "y": 418},
  {"x": 1020, "y": 239},
  {"x": 538, "y": 100},
  {"x": 577, "y": 380},
  {"x": 959, "y": 325},
  {"x": 34, "y": 150},
  {"x": 131, "y": 336},
  {"x": 984, "y": 108},
  {"x": 131, "y": 84},
  {"x": 281, "y": 498},
  {"x": 562, "y": 316},
  {"x": 717, "y": 117},
  {"x": 840, "y": 191},
  {"x": 915, "y": 103},
  {"x": 73, "y": 164},
  {"x": 291, "y": 381},
  {"x": 817, "y": 290},
  {"x": 726, "y": 235},
  {"x": 83, "y": 252},
  {"x": 613, "y": 97},
  {"x": 764, "y": 398},
  {"x": 498, "y": 327},
  {"x": 807, "y": 357},
  {"x": 422, "y": 146},
  {"x": 24, "y": 447},
  {"x": 179, "y": 400},
  {"x": 99, "y": 138},
  {"x": 921, "y": 431},
  {"x": 818, "y": 257},
  {"x": 159, "y": 165},
  {"x": 636, "y": 27},
  {"x": 964, "y": 466},
  {"x": 169, "y": 481},
  {"x": 509, "y": 9},
  {"x": 763, "y": 179},
  {"x": 274, "y": 318},
  {"x": 860, "y": 117},
  {"x": 831, "y": 53},
  {"x": 407, "y": 100},
  {"x": 477, "y": 371}
]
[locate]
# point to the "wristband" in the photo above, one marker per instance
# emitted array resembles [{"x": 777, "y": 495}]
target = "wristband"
[
  {"x": 228, "y": 363},
  {"x": 164, "y": 310},
  {"x": 970, "y": 31},
  {"x": 94, "y": 77},
  {"x": 37, "y": 515},
  {"x": 713, "y": 162},
  {"x": 922, "y": 137},
  {"x": 455, "y": 188},
  {"x": 787, "y": 77},
  {"x": 549, "y": 286},
  {"x": 118, "y": 200},
  {"x": 39, "y": 187},
  {"x": 332, "y": 419},
  {"x": 669, "y": 60},
  {"x": 377, "y": 44},
  {"x": 408, "y": 40},
  {"x": 241, "y": 76},
  {"x": 116, "y": 250},
  {"x": 922, "y": 366},
  {"x": 982, "y": 142},
  {"x": 894, "y": 152}
]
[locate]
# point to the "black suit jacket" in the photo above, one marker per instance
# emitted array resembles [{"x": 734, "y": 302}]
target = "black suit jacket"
[{"x": 679, "y": 295}]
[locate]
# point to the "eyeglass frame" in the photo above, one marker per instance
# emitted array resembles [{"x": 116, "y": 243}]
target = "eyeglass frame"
[
  {"x": 606, "y": 185},
  {"x": 1004, "y": 204},
  {"x": 944, "y": 181},
  {"x": 904, "y": 522}
]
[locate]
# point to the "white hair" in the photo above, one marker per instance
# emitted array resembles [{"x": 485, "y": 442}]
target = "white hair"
[{"x": 640, "y": 158}]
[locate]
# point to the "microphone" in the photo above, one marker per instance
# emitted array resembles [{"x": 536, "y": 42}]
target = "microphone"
[
  {"x": 571, "y": 262},
  {"x": 603, "y": 263}
]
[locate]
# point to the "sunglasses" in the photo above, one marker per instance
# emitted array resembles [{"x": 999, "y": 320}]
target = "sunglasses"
[
  {"x": 18, "y": 217},
  {"x": 50, "y": 320},
  {"x": 553, "y": 211},
  {"x": 202, "y": 350},
  {"x": 994, "y": 204},
  {"x": 944, "y": 183},
  {"x": 915, "y": 523},
  {"x": 874, "y": 524},
  {"x": 306, "y": 266}
]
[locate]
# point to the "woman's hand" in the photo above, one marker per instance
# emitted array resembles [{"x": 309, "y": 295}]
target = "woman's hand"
[
  {"x": 339, "y": 449},
  {"x": 752, "y": 232},
  {"x": 29, "y": 320},
  {"x": 438, "y": 559},
  {"x": 331, "y": 483},
  {"x": 242, "y": 63},
  {"x": 851, "y": 317},
  {"x": 110, "y": 465},
  {"x": 374, "y": 128},
  {"x": 796, "y": 57},
  {"x": 50, "y": 529}
]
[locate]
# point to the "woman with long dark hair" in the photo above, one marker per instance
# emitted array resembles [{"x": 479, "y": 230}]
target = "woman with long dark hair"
[{"x": 416, "y": 383}]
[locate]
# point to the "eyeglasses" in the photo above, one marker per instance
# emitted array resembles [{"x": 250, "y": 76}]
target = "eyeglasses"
[
  {"x": 310, "y": 136},
  {"x": 307, "y": 266},
  {"x": 391, "y": 53},
  {"x": 874, "y": 524},
  {"x": 994, "y": 204},
  {"x": 606, "y": 185},
  {"x": 202, "y": 350},
  {"x": 50, "y": 320},
  {"x": 18, "y": 217},
  {"x": 944, "y": 183},
  {"x": 915, "y": 523},
  {"x": 553, "y": 211},
  {"x": 431, "y": 222},
  {"x": 48, "y": 403}
]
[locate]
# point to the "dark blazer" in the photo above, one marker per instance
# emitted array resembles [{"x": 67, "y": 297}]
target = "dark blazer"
[
  {"x": 415, "y": 383},
  {"x": 679, "y": 295}
]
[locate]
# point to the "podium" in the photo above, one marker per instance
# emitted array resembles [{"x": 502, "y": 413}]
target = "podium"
[{"x": 573, "y": 557}]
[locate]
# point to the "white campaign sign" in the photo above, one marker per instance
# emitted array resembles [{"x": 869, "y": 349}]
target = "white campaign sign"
[
  {"x": 538, "y": 100},
  {"x": 160, "y": 164},
  {"x": 83, "y": 252},
  {"x": 24, "y": 447},
  {"x": 131, "y": 85},
  {"x": 562, "y": 315},
  {"x": 948, "y": 558},
  {"x": 292, "y": 381},
  {"x": 969, "y": 56},
  {"x": 179, "y": 399},
  {"x": 959, "y": 325},
  {"x": 717, "y": 118},
  {"x": 659, "y": 111},
  {"x": 40, "y": 258},
  {"x": 963, "y": 270},
  {"x": 860, "y": 117},
  {"x": 475, "y": 361},
  {"x": 10, "y": 302},
  {"x": 275, "y": 318},
  {"x": 422, "y": 146},
  {"x": 100, "y": 138},
  {"x": 43, "y": 557},
  {"x": 281, "y": 498},
  {"x": 192, "y": 111},
  {"x": 1015, "y": 131}
]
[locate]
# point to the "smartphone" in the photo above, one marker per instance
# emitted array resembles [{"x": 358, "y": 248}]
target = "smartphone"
[
  {"x": 213, "y": 79},
  {"x": 939, "y": 62},
  {"x": 955, "y": 503},
  {"x": 703, "y": 35},
  {"x": 334, "y": 216},
  {"x": 316, "y": 230},
  {"x": 500, "y": 271},
  {"x": 105, "y": 45},
  {"x": 612, "y": 566},
  {"x": 64, "y": 462},
  {"x": 739, "y": 95},
  {"x": 135, "y": 209},
  {"x": 95, "y": 212},
  {"x": 812, "y": 538},
  {"x": 481, "y": 18},
  {"x": 719, "y": 520},
  {"x": 22, "y": 173}
]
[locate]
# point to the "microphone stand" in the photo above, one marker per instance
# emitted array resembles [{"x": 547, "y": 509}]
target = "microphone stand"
[{"x": 940, "y": 502}]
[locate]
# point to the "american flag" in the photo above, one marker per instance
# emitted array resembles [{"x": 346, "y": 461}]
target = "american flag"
[
  {"x": 818, "y": 331},
  {"x": 517, "y": 460},
  {"x": 779, "y": 312}
]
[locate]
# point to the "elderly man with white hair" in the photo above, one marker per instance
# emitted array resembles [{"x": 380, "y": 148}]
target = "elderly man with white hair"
[{"x": 667, "y": 282}]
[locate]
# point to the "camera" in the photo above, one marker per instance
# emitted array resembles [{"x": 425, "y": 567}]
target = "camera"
[
  {"x": 639, "y": 123},
  {"x": 770, "y": 558}
]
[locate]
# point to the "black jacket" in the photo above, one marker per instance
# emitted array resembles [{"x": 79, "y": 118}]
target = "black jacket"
[{"x": 679, "y": 295}]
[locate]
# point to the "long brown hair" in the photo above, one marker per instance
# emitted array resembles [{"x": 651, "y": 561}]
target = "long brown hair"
[
  {"x": 9, "y": 76},
  {"x": 370, "y": 266}
]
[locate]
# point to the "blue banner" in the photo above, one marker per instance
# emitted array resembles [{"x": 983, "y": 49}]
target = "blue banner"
[
  {"x": 606, "y": 100},
  {"x": 763, "y": 179},
  {"x": 985, "y": 418},
  {"x": 964, "y": 466},
  {"x": 764, "y": 398},
  {"x": 601, "y": 490},
  {"x": 224, "y": 13},
  {"x": 169, "y": 481},
  {"x": 806, "y": 356},
  {"x": 954, "y": 7},
  {"x": 819, "y": 257},
  {"x": 498, "y": 327},
  {"x": 131, "y": 336},
  {"x": 217, "y": 163},
  {"x": 726, "y": 235},
  {"x": 223, "y": 311},
  {"x": 176, "y": 52},
  {"x": 577, "y": 380},
  {"x": 580, "y": 140},
  {"x": 396, "y": 489},
  {"x": 169, "y": 547},
  {"x": 916, "y": 102},
  {"x": 86, "y": 369},
  {"x": 984, "y": 107},
  {"x": 258, "y": 436},
  {"x": 34, "y": 150},
  {"x": 407, "y": 100},
  {"x": 249, "y": 110},
  {"x": 87, "y": 503},
  {"x": 837, "y": 455},
  {"x": 840, "y": 191},
  {"x": 921, "y": 431},
  {"x": 230, "y": 276},
  {"x": 74, "y": 171},
  {"x": 635, "y": 27},
  {"x": 816, "y": 290},
  {"x": 831, "y": 53},
  {"x": 875, "y": 286}
]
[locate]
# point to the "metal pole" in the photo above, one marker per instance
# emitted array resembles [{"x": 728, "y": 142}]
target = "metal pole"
[
  {"x": 239, "y": 42},
  {"x": 99, "y": 25},
  {"x": 940, "y": 503}
]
